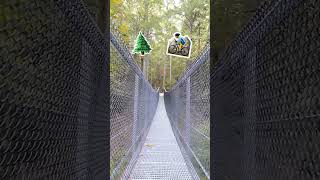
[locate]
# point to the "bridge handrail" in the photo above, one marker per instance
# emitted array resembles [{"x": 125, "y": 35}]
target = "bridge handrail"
[
  {"x": 203, "y": 56},
  {"x": 142, "y": 103},
  {"x": 187, "y": 105},
  {"x": 262, "y": 92}
]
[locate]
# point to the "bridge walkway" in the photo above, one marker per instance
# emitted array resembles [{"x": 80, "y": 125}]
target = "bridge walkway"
[{"x": 160, "y": 157}]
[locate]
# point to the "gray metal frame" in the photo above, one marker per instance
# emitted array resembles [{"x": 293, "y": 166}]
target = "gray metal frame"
[
  {"x": 187, "y": 105},
  {"x": 133, "y": 105},
  {"x": 53, "y": 92},
  {"x": 265, "y": 96}
]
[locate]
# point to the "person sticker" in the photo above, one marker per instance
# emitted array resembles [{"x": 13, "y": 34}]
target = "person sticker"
[{"x": 179, "y": 46}]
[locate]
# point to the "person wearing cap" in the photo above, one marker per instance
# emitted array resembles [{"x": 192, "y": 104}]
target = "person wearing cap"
[{"x": 181, "y": 40}]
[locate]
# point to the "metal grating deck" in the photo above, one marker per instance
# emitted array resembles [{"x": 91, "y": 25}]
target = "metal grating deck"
[{"x": 160, "y": 157}]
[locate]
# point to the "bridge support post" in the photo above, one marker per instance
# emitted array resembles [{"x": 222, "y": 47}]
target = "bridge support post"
[
  {"x": 135, "y": 109},
  {"x": 146, "y": 106},
  {"x": 188, "y": 122}
]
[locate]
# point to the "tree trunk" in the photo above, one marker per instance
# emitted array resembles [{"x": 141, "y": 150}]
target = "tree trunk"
[
  {"x": 170, "y": 71},
  {"x": 158, "y": 69},
  {"x": 148, "y": 67},
  {"x": 164, "y": 75},
  {"x": 146, "y": 34},
  {"x": 199, "y": 38},
  {"x": 151, "y": 78},
  {"x": 145, "y": 66},
  {"x": 141, "y": 60}
]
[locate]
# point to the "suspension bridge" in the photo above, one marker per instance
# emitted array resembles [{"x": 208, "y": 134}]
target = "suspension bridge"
[
  {"x": 153, "y": 136},
  {"x": 59, "y": 74}
]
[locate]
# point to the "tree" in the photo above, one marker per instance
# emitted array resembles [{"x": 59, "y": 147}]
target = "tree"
[
  {"x": 142, "y": 46},
  {"x": 195, "y": 17},
  {"x": 158, "y": 20}
]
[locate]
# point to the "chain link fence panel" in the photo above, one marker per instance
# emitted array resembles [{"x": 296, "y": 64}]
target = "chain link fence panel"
[
  {"x": 53, "y": 91},
  {"x": 265, "y": 97},
  {"x": 133, "y": 105},
  {"x": 188, "y": 108}
]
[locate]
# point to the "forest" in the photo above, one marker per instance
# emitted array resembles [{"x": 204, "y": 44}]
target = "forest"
[{"x": 159, "y": 19}]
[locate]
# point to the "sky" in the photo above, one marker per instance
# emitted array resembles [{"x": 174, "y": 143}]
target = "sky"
[{"x": 176, "y": 2}]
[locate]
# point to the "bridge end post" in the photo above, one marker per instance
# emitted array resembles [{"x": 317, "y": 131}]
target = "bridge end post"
[{"x": 188, "y": 104}]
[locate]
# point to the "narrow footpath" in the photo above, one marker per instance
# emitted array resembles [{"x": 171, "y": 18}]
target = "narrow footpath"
[{"x": 160, "y": 157}]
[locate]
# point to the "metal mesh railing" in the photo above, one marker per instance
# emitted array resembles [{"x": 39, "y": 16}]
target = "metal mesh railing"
[
  {"x": 53, "y": 92},
  {"x": 187, "y": 105},
  {"x": 265, "y": 97},
  {"x": 133, "y": 105}
]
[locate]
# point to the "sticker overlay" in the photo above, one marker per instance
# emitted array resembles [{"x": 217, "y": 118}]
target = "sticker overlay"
[{"x": 179, "y": 46}]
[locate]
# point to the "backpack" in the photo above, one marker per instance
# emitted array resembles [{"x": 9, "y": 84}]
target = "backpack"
[{"x": 183, "y": 41}]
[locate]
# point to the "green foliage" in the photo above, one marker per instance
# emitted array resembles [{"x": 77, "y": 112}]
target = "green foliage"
[
  {"x": 115, "y": 6},
  {"x": 158, "y": 20},
  {"x": 142, "y": 45},
  {"x": 195, "y": 18}
]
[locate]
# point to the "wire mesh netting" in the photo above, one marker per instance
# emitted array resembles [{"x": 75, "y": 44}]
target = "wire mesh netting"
[
  {"x": 265, "y": 97},
  {"x": 133, "y": 105},
  {"x": 187, "y": 105},
  {"x": 53, "y": 92},
  {"x": 160, "y": 157},
  {"x": 54, "y": 84}
]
